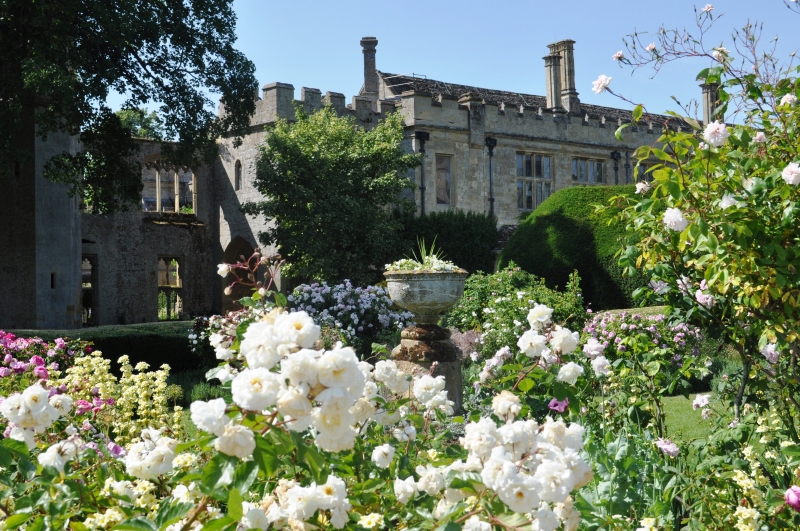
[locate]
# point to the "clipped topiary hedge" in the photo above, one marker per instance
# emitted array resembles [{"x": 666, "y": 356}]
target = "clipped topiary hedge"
[
  {"x": 465, "y": 238},
  {"x": 152, "y": 343},
  {"x": 567, "y": 233}
]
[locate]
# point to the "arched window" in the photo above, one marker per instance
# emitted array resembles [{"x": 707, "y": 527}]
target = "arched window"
[{"x": 237, "y": 178}]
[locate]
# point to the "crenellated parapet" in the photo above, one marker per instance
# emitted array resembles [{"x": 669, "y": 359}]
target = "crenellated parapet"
[{"x": 277, "y": 102}]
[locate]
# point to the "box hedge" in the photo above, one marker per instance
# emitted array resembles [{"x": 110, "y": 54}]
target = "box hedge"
[
  {"x": 567, "y": 233},
  {"x": 152, "y": 343},
  {"x": 468, "y": 239}
]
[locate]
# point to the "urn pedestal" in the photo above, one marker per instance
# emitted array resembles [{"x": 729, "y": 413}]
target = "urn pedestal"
[{"x": 428, "y": 294}]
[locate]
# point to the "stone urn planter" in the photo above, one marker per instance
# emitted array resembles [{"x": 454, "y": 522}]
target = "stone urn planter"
[{"x": 428, "y": 294}]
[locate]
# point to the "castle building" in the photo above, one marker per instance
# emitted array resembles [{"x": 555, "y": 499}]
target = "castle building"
[{"x": 484, "y": 150}]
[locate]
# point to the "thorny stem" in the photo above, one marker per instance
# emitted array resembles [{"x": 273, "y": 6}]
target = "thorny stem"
[{"x": 192, "y": 517}]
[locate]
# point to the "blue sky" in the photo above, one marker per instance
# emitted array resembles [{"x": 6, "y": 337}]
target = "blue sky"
[{"x": 496, "y": 45}]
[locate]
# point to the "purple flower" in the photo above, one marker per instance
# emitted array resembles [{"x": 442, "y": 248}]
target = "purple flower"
[
  {"x": 83, "y": 407},
  {"x": 18, "y": 366},
  {"x": 38, "y": 361},
  {"x": 792, "y": 497},
  {"x": 115, "y": 449},
  {"x": 41, "y": 373},
  {"x": 8, "y": 358},
  {"x": 555, "y": 405},
  {"x": 4, "y": 371}
]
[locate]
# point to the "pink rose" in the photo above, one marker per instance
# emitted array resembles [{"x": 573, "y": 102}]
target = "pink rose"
[{"x": 792, "y": 497}]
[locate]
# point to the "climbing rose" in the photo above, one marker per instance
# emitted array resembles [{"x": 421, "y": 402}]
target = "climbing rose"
[
  {"x": 760, "y": 137},
  {"x": 618, "y": 56},
  {"x": 651, "y": 47},
  {"x": 674, "y": 220},
  {"x": 701, "y": 401},
  {"x": 716, "y": 133},
  {"x": 223, "y": 270},
  {"x": 642, "y": 188},
  {"x": 601, "y": 84},
  {"x": 708, "y": 8},
  {"x": 569, "y": 373},
  {"x": 791, "y": 174},
  {"x": 668, "y": 447},
  {"x": 789, "y": 99}
]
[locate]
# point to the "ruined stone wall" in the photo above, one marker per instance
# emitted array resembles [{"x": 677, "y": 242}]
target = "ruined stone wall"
[
  {"x": 39, "y": 237},
  {"x": 127, "y": 247}
]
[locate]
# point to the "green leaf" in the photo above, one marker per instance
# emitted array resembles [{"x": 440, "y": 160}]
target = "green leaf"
[
  {"x": 449, "y": 526},
  {"x": 637, "y": 113},
  {"x": 169, "y": 514},
  {"x": 16, "y": 446},
  {"x": 266, "y": 457},
  {"x": 16, "y": 520},
  {"x": 218, "y": 474},
  {"x": 652, "y": 368},
  {"x": 136, "y": 524},
  {"x": 235, "y": 504},
  {"x": 618, "y": 132},
  {"x": 280, "y": 299},
  {"x": 526, "y": 385},
  {"x": 246, "y": 474},
  {"x": 247, "y": 302}
]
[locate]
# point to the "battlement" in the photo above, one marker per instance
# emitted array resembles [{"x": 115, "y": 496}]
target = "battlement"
[
  {"x": 277, "y": 101},
  {"x": 482, "y": 118}
]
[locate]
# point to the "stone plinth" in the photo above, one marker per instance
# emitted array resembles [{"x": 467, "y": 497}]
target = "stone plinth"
[{"x": 423, "y": 345}]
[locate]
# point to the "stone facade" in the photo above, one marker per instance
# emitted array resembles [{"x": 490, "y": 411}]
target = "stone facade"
[{"x": 484, "y": 150}]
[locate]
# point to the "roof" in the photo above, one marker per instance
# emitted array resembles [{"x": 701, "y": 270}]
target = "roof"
[{"x": 398, "y": 84}]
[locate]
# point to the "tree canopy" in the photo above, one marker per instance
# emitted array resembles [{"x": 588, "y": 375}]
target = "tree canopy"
[
  {"x": 67, "y": 55},
  {"x": 141, "y": 123},
  {"x": 326, "y": 184}
]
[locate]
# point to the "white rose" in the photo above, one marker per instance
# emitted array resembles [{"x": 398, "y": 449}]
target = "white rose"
[
  {"x": 255, "y": 389},
  {"x": 254, "y": 517},
  {"x": 237, "y": 441},
  {"x": 223, "y": 270},
  {"x": 716, "y": 133},
  {"x": 600, "y": 85},
  {"x": 427, "y": 387},
  {"x": 788, "y": 99},
  {"x": 791, "y": 174},
  {"x": 382, "y": 455},
  {"x": 506, "y": 405},
  {"x": 293, "y": 402},
  {"x": 760, "y": 137},
  {"x": 260, "y": 346},
  {"x": 701, "y": 401},
  {"x": 62, "y": 404},
  {"x": 210, "y": 416},
  {"x": 297, "y": 327},
  {"x": 564, "y": 340},
  {"x": 23, "y": 435},
  {"x": 674, "y": 220},
  {"x": 521, "y": 496},
  {"x": 569, "y": 373},
  {"x": 642, "y": 188},
  {"x": 532, "y": 343},
  {"x": 301, "y": 367},
  {"x": 727, "y": 201},
  {"x": 539, "y": 316},
  {"x": 405, "y": 489},
  {"x": 474, "y": 523},
  {"x": 601, "y": 366},
  {"x": 339, "y": 368},
  {"x": 593, "y": 348},
  {"x": 58, "y": 454},
  {"x": 431, "y": 479}
]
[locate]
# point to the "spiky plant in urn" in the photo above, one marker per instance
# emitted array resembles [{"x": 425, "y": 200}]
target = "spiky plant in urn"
[{"x": 428, "y": 287}]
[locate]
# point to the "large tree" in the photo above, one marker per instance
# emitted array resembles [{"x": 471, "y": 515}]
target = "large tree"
[
  {"x": 67, "y": 55},
  {"x": 326, "y": 184}
]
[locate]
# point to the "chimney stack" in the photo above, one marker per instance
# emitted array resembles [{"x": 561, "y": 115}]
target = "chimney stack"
[
  {"x": 552, "y": 67},
  {"x": 710, "y": 99},
  {"x": 569, "y": 96},
  {"x": 370, "y": 72}
]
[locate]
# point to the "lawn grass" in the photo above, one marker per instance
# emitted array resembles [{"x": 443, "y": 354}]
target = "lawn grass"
[{"x": 684, "y": 423}]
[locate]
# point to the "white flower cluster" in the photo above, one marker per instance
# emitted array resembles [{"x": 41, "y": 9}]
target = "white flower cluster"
[
  {"x": 430, "y": 392},
  {"x": 529, "y": 466},
  {"x": 152, "y": 456},
  {"x": 33, "y": 411},
  {"x": 430, "y": 263},
  {"x": 291, "y": 504}
]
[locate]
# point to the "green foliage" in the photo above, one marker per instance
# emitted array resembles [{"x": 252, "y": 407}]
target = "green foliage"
[
  {"x": 153, "y": 343},
  {"x": 497, "y": 305},
  {"x": 568, "y": 233},
  {"x": 141, "y": 124},
  {"x": 464, "y": 238},
  {"x": 65, "y": 57},
  {"x": 326, "y": 184}
]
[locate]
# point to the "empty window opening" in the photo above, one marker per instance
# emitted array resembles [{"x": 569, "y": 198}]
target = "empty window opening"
[
  {"x": 170, "y": 284},
  {"x": 89, "y": 291},
  {"x": 52, "y": 281},
  {"x": 237, "y": 176},
  {"x": 443, "y": 182}
]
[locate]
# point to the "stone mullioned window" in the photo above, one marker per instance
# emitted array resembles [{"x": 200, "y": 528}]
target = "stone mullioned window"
[{"x": 534, "y": 179}]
